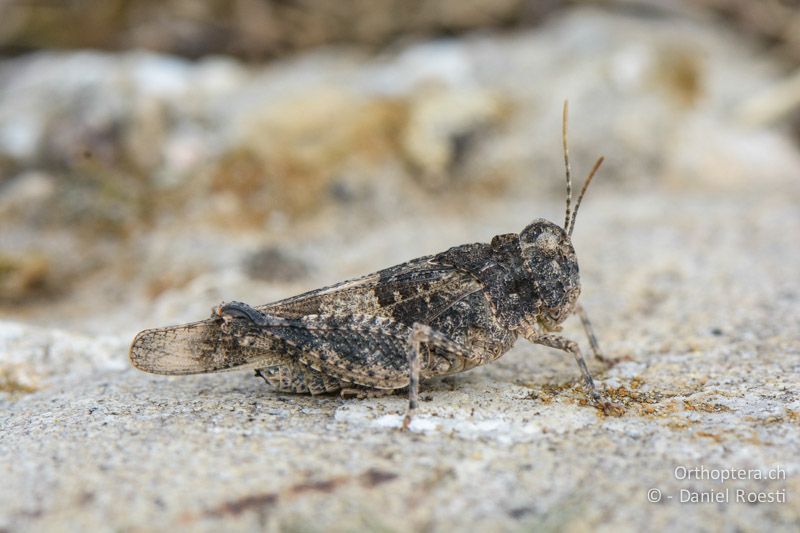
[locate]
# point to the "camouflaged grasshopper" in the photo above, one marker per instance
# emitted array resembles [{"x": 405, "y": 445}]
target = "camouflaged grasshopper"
[{"x": 432, "y": 316}]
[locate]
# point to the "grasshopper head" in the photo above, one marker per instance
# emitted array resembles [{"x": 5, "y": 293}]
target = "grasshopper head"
[{"x": 553, "y": 266}]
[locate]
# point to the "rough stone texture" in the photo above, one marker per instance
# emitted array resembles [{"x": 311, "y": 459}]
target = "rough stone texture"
[
  {"x": 688, "y": 248},
  {"x": 120, "y": 172},
  {"x": 695, "y": 295}
]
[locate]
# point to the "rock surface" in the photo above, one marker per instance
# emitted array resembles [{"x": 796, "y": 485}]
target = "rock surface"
[
  {"x": 694, "y": 297},
  {"x": 688, "y": 249}
]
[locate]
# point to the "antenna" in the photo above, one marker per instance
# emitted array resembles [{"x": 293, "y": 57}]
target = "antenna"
[
  {"x": 566, "y": 160},
  {"x": 583, "y": 191}
]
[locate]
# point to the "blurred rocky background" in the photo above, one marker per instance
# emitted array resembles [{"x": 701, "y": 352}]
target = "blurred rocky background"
[
  {"x": 157, "y": 158},
  {"x": 213, "y": 138}
]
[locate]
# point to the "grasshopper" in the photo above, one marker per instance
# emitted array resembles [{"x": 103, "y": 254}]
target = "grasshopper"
[{"x": 432, "y": 316}]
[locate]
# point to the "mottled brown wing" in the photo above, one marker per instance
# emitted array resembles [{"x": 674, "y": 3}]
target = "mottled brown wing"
[
  {"x": 417, "y": 291},
  {"x": 201, "y": 347},
  {"x": 365, "y": 350}
]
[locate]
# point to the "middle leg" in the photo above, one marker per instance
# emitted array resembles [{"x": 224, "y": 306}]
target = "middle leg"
[{"x": 423, "y": 334}]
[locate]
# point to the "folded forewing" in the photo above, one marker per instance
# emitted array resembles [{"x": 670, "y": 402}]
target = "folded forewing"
[{"x": 202, "y": 347}]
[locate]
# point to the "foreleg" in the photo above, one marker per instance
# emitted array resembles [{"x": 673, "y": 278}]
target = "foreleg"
[{"x": 567, "y": 345}]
